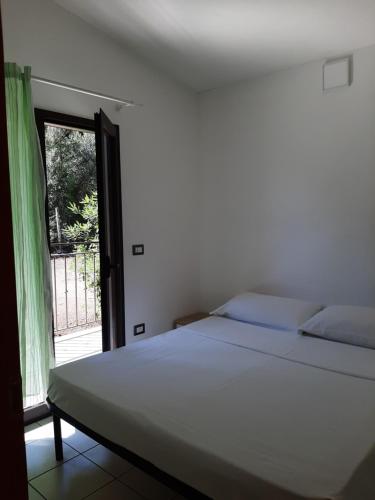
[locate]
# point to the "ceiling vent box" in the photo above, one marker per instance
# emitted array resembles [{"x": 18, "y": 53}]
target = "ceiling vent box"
[{"x": 337, "y": 73}]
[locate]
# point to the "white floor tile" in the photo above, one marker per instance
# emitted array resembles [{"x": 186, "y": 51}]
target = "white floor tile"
[
  {"x": 34, "y": 495},
  {"x": 29, "y": 432},
  {"x": 40, "y": 456},
  {"x": 72, "y": 480},
  {"x": 108, "y": 461},
  {"x": 115, "y": 491},
  {"x": 75, "y": 438},
  {"x": 146, "y": 485},
  {"x": 40, "y": 432},
  {"x": 72, "y": 436}
]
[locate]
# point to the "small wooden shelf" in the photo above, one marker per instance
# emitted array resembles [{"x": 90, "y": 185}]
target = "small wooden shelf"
[{"x": 185, "y": 320}]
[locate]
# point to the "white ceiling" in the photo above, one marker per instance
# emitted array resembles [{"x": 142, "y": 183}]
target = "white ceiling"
[{"x": 209, "y": 43}]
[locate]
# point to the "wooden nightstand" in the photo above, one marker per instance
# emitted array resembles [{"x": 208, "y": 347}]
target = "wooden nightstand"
[{"x": 189, "y": 319}]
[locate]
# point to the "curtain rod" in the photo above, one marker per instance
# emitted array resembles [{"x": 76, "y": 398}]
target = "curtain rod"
[{"x": 121, "y": 102}]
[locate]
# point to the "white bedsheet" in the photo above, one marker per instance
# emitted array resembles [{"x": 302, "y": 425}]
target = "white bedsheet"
[{"x": 236, "y": 411}]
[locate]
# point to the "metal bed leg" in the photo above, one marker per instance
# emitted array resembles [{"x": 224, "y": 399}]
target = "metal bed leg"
[{"x": 58, "y": 438}]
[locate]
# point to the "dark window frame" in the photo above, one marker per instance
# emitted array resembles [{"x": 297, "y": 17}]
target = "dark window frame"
[{"x": 42, "y": 117}]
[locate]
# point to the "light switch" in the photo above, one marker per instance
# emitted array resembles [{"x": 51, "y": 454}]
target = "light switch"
[
  {"x": 138, "y": 249},
  {"x": 139, "y": 329}
]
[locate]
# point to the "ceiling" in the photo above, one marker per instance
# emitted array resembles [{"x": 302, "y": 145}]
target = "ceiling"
[{"x": 209, "y": 43}]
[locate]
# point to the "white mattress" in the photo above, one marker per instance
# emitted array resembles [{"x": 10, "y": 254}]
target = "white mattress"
[{"x": 236, "y": 411}]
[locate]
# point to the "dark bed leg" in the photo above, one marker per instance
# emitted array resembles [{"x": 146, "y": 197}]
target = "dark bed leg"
[{"x": 58, "y": 439}]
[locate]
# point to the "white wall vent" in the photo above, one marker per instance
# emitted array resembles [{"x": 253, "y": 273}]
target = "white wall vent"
[{"x": 337, "y": 73}]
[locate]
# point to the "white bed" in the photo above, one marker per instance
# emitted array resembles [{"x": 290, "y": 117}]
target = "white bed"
[{"x": 234, "y": 410}]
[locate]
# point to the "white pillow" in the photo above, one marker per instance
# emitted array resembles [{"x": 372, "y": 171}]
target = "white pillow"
[
  {"x": 349, "y": 324},
  {"x": 268, "y": 310}
]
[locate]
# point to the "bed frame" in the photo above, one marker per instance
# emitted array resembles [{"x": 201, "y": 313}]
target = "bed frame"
[{"x": 147, "y": 467}]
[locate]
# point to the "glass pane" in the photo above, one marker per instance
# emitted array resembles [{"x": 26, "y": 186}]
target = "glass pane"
[{"x": 74, "y": 237}]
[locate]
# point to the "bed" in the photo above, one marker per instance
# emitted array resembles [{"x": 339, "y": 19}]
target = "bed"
[{"x": 230, "y": 410}]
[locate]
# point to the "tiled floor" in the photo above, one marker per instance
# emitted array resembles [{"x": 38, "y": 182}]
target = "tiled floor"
[
  {"x": 88, "y": 471},
  {"x": 78, "y": 345},
  {"x": 71, "y": 347}
]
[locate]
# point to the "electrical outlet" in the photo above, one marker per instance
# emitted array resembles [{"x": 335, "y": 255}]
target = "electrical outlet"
[{"x": 139, "y": 329}]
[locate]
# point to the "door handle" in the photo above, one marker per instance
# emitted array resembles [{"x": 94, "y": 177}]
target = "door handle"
[{"x": 109, "y": 266}]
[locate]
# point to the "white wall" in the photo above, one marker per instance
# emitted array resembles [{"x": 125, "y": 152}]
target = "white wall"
[
  {"x": 285, "y": 181},
  {"x": 288, "y": 187},
  {"x": 158, "y": 149}
]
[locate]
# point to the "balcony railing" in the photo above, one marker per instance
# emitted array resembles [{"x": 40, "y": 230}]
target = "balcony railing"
[{"x": 76, "y": 290}]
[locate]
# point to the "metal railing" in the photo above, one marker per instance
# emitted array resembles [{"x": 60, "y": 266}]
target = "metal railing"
[{"x": 75, "y": 284}]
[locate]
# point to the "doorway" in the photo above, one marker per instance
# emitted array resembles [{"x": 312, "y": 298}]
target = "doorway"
[{"x": 85, "y": 237}]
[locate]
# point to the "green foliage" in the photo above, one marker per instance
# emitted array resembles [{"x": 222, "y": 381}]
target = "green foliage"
[
  {"x": 72, "y": 200},
  {"x": 85, "y": 230},
  {"x": 71, "y": 173}
]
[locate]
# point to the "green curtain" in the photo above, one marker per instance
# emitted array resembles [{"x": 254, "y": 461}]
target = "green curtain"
[{"x": 30, "y": 238}]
